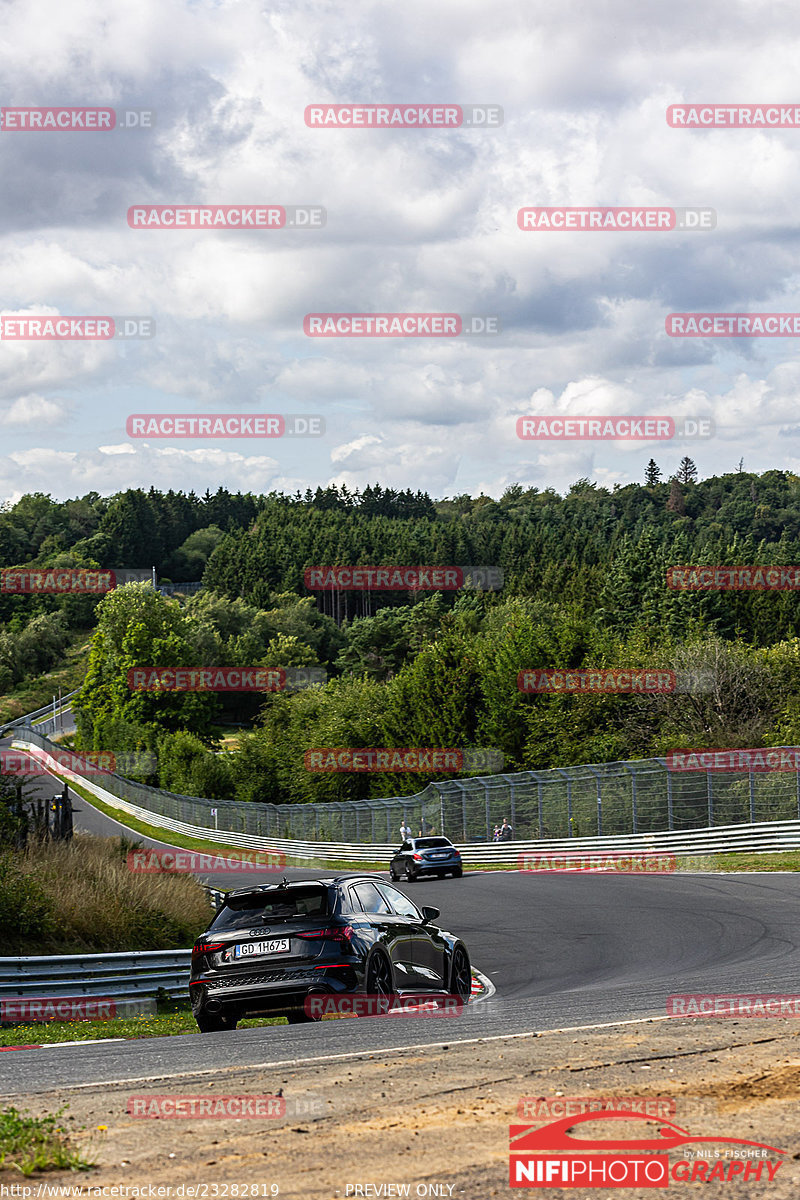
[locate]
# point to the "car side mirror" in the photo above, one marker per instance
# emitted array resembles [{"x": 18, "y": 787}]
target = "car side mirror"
[{"x": 429, "y": 914}]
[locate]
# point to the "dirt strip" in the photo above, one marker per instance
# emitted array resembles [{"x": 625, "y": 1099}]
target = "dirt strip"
[{"x": 437, "y": 1120}]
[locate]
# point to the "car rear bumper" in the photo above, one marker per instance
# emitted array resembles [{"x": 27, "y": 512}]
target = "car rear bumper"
[{"x": 268, "y": 991}]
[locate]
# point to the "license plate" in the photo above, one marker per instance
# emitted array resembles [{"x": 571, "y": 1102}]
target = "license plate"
[
  {"x": 255, "y": 949},
  {"x": 445, "y": 855}
]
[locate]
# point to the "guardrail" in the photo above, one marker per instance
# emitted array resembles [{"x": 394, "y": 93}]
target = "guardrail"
[
  {"x": 125, "y": 975},
  {"x": 766, "y": 837},
  {"x": 29, "y": 718}
]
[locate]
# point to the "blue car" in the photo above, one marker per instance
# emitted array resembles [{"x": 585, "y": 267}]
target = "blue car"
[{"x": 426, "y": 856}]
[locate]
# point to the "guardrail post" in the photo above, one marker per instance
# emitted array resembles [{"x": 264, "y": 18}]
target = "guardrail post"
[
  {"x": 752, "y": 782},
  {"x": 710, "y": 789}
]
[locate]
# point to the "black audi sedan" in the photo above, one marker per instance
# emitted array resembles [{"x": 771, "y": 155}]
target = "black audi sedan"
[
  {"x": 426, "y": 856},
  {"x": 272, "y": 946}
]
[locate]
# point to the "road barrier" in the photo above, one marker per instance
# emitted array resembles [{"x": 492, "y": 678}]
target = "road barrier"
[
  {"x": 769, "y": 837},
  {"x": 29, "y": 718},
  {"x": 128, "y": 974}
]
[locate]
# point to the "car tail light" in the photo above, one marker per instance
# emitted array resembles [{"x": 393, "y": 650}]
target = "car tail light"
[
  {"x": 201, "y": 948},
  {"x": 339, "y": 933}
]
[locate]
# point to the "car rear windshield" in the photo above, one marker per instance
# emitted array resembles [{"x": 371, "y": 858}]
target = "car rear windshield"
[
  {"x": 426, "y": 843},
  {"x": 283, "y": 904}
]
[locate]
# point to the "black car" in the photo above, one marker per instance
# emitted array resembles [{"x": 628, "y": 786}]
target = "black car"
[
  {"x": 270, "y": 947},
  {"x": 426, "y": 856}
]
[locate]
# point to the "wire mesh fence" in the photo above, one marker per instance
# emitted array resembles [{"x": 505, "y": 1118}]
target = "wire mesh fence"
[{"x": 609, "y": 799}]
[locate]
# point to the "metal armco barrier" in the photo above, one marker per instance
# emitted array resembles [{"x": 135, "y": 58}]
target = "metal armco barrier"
[
  {"x": 124, "y": 975},
  {"x": 29, "y": 718},
  {"x": 765, "y": 836}
]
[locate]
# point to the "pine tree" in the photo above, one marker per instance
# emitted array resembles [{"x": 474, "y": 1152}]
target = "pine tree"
[
  {"x": 652, "y": 473},
  {"x": 687, "y": 471}
]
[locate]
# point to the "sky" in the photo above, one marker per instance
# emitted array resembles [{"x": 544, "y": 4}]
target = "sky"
[{"x": 416, "y": 220}]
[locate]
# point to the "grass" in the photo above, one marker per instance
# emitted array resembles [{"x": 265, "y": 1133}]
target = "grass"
[
  {"x": 81, "y": 897},
  {"x": 30, "y": 694},
  {"x": 29, "y": 1144},
  {"x": 173, "y": 1019},
  {"x": 195, "y": 843}
]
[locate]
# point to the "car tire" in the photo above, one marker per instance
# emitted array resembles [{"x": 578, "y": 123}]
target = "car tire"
[
  {"x": 460, "y": 974},
  {"x": 394, "y": 878},
  {"x": 411, "y": 874},
  {"x": 457, "y": 874},
  {"x": 215, "y": 1022},
  {"x": 378, "y": 979}
]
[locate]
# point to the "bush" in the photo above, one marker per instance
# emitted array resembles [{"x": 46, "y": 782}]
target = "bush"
[{"x": 81, "y": 896}]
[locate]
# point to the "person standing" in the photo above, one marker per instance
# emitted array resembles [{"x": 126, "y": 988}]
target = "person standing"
[
  {"x": 506, "y": 832},
  {"x": 405, "y": 830}
]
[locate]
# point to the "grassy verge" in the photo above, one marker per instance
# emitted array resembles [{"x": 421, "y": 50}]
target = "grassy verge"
[
  {"x": 195, "y": 843},
  {"x": 174, "y": 1017},
  {"x": 31, "y": 694},
  {"x": 29, "y": 1144},
  {"x": 82, "y": 897}
]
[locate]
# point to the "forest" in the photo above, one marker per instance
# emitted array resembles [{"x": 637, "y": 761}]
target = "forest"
[{"x": 584, "y": 585}]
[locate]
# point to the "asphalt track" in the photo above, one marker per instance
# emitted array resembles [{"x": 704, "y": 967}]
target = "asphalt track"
[{"x": 561, "y": 950}]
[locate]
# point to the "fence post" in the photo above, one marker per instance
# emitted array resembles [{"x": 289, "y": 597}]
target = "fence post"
[
  {"x": 670, "y": 817},
  {"x": 464, "y": 806},
  {"x": 752, "y": 798},
  {"x": 539, "y": 786},
  {"x": 710, "y": 789},
  {"x": 569, "y": 806},
  {"x": 488, "y": 817}
]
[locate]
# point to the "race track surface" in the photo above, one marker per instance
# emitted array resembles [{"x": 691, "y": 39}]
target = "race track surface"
[{"x": 561, "y": 950}]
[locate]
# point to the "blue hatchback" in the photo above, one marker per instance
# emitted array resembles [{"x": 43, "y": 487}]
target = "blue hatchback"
[{"x": 426, "y": 856}]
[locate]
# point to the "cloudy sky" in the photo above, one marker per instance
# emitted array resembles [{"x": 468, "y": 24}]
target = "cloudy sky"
[{"x": 418, "y": 220}]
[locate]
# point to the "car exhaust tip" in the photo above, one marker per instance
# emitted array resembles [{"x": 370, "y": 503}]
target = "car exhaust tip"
[{"x": 214, "y": 1006}]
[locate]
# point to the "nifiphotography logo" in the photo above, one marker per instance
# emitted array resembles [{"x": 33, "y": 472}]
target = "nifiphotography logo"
[{"x": 553, "y": 1156}]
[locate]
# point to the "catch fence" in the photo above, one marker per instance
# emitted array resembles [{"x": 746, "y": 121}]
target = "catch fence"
[{"x": 636, "y": 797}]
